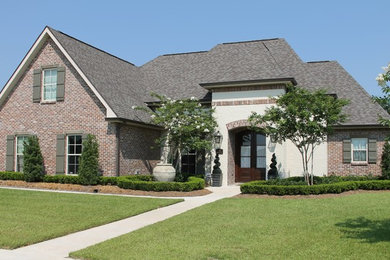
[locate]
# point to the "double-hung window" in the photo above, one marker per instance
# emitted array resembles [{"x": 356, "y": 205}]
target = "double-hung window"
[
  {"x": 49, "y": 90},
  {"x": 19, "y": 152},
  {"x": 75, "y": 146},
  {"x": 359, "y": 150}
]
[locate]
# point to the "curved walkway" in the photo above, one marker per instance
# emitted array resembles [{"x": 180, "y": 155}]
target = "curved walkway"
[{"x": 59, "y": 248}]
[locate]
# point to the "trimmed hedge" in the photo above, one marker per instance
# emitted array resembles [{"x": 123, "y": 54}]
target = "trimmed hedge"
[
  {"x": 258, "y": 187},
  {"x": 193, "y": 183},
  {"x": 18, "y": 176},
  {"x": 67, "y": 179},
  {"x": 70, "y": 179}
]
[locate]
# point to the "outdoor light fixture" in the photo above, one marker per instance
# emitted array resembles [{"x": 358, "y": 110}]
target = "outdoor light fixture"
[{"x": 218, "y": 140}]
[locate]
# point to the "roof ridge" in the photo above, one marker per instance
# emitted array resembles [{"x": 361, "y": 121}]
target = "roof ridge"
[
  {"x": 112, "y": 55},
  {"x": 181, "y": 53},
  {"x": 261, "y": 40}
]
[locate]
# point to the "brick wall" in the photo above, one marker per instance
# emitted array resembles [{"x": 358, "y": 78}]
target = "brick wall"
[
  {"x": 335, "y": 152},
  {"x": 80, "y": 111},
  {"x": 137, "y": 150}
]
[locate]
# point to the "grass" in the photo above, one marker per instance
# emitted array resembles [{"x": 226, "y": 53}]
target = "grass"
[
  {"x": 348, "y": 227},
  {"x": 29, "y": 217}
]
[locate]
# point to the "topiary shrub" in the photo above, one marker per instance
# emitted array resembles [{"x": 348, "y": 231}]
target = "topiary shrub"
[
  {"x": 273, "y": 171},
  {"x": 385, "y": 164},
  {"x": 89, "y": 161},
  {"x": 32, "y": 160}
]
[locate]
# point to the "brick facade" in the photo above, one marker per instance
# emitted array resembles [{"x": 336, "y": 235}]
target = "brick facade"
[
  {"x": 80, "y": 111},
  {"x": 335, "y": 152},
  {"x": 138, "y": 152}
]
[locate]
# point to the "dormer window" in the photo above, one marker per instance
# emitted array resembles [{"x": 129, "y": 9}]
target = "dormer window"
[{"x": 49, "y": 90}]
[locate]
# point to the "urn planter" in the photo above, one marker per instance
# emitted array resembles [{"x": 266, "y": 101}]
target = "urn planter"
[{"x": 164, "y": 172}]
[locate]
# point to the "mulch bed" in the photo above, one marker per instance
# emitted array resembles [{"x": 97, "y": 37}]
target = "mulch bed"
[
  {"x": 100, "y": 189},
  {"x": 320, "y": 196}
]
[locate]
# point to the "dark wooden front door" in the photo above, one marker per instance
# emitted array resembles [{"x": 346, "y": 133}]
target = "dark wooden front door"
[{"x": 250, "y": 156}]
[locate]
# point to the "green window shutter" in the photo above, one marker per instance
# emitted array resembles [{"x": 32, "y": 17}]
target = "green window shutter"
[
  {"x": 60, "y": 154},
  {"x": 10, "y": 153},
  {"x": 37, "y": 86},
  {"x": 347, "y": 151},
  {"x": 60, "y": 83},
  {"x": 371, "y": 150}
]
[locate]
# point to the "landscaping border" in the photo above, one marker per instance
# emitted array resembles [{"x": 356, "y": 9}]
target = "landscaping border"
[
  {"x": 134, "y": 182},
  {"x": 258, "y": 187}
]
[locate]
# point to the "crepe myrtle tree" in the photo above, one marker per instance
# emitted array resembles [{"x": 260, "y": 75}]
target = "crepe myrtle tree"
[
  {"x": 384, "y": 101},
  {"x": 188, "y": 125},
  {"x": 303, "y": 117}
]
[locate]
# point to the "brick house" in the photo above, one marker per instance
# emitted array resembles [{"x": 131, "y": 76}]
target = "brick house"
[{"x": 64, "y": 89}]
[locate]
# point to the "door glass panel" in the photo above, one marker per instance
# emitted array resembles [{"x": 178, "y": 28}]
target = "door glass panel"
[
  {"x": 260, "y": 150},
  {"x": 246, "y": 140},
  {"x": 245, "y": 151},
  {"x": 260, "y": 162},
  {"x": 245, "y": 162},
  {"x": 260, "y": 139}
]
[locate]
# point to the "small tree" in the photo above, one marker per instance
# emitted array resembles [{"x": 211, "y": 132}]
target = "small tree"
[
  {"x": 384, "y": 100},
  {"x": 273, "y": 171},
  {"x": 89, "y": 161},
  {"x": 305, "y": 118},
  {"x": 32, "y": 160},
  {"x": 188, "y": 125},
  {"x": 385, "y": 163}
]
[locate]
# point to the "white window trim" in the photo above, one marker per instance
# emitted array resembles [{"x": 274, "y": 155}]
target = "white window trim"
[
  {"x": 352, "y": 149},
  {"x": 43, "y": 87},
  {"x": 67, "y": 154},
  {"x": 16, "y": 151}
]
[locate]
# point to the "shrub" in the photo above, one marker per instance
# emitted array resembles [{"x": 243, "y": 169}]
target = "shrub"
[
  {"x": 89, "y": 161},
  {"x": 108, "y": 180},
  {"x": 258, "y": 187},
  {"x": 385, "y": 163},
  {"x": 32, "y": 160},
  {"x": 193, "y": 183},
  {"x": 68, "y": 179},
  {"x": 12, "y": 176},
  {"x": 273, "y": 171}
]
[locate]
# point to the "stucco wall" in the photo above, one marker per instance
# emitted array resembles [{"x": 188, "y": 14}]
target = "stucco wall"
[{"x": 232, "y": 109}]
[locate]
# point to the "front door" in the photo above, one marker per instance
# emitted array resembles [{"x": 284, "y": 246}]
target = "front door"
[{"x": 250, "y": 156}]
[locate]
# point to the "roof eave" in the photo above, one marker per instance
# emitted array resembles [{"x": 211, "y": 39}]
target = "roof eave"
[{"x": 256, "y": 82}]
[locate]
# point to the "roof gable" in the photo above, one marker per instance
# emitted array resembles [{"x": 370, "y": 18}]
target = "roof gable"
[{"x": 47, "y": 32}]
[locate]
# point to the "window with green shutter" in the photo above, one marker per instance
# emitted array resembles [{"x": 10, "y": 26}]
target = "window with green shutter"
[{"x": 49, "y": 84}]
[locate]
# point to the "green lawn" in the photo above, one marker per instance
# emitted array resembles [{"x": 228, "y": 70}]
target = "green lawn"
[
  {"x": 347, "y": 227},
  {"x": 28, "y": 217}
]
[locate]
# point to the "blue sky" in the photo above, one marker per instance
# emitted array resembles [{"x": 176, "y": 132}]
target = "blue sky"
[{"x": 355, "y": 33}]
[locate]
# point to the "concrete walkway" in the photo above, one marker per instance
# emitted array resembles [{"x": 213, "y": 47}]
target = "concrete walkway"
[{"x": 59, "y": 248}]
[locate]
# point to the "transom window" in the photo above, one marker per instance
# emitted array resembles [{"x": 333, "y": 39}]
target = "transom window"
[
  {"x": 19, "y": 152},
  {"x": 359, "y": 149},
  {"x": 49, "y": 85},
  {"x": 75, "y": 146}
]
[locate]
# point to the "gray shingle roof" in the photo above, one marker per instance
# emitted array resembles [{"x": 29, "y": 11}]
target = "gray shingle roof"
[
  {"x": 119, "y": 82},
  {"x": 123, "y": 85}
]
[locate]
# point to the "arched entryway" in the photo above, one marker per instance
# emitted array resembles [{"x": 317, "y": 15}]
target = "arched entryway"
[{"x": 250, "y": 156}]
